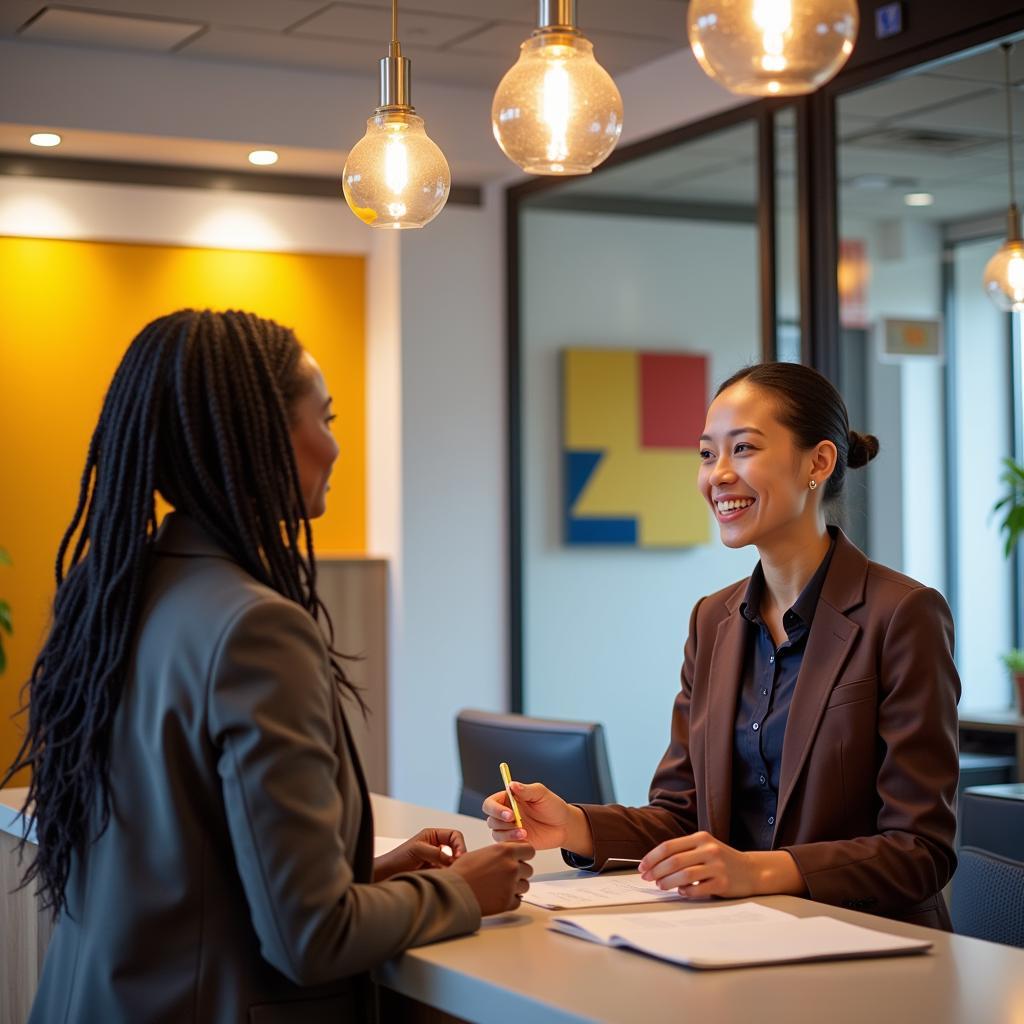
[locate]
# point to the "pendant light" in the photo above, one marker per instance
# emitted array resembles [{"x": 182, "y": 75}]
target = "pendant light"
[
  {"x": 772, "y": 47},
  {"x": 557, "y": 111},
  {"x": 1004, "y": 273},
  {"x": 395, "y": 176}
]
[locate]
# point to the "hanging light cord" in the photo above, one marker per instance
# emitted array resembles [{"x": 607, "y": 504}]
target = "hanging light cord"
[
  {"x": 1007, "y": 47},
  {"x": 394, "y": 22}
]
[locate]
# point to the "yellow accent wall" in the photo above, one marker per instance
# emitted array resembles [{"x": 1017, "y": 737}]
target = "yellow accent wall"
[{"x": 67, "y": 312}]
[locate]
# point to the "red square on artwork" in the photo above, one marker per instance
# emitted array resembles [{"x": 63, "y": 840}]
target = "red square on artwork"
[{"x": 673, "y": 396}]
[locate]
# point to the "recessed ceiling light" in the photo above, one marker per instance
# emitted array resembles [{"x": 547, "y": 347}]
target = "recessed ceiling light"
[
  {"x": 44, "y": 139},
  {"x": 263, "y": 157},
  {"x": 919, "y": 199}
]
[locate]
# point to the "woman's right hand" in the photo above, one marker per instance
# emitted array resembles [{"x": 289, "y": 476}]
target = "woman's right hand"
[
  {"x": 548, "y": 821},
  {"x": 498, "y": 875}
]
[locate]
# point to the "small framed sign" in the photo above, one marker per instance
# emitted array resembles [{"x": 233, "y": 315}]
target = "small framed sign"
[
  {"x": 902, "y": 340},
  {"x": 888, "y": 20}
]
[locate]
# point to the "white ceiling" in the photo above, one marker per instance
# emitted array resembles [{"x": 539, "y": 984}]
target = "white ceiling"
[
  {"x": 887, "y": 132},
  {"x": 464, "y": 42}
]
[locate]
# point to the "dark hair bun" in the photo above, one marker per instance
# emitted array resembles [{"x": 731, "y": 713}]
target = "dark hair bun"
[{"x": 863, "y": 448}]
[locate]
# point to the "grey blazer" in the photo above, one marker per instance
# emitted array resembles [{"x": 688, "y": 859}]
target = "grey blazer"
[{"x": 234, "y": 880}]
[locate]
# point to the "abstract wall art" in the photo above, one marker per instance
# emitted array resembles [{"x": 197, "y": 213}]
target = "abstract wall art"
[{"x": 631, "y": 422}]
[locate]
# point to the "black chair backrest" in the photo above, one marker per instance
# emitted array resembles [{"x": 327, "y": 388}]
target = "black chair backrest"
[
  {"x": 568, "y": 757},
  {"x": 988, "y": 897}
]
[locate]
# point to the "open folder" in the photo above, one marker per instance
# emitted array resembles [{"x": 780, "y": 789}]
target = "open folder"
[{"x": 737, "y": 935}]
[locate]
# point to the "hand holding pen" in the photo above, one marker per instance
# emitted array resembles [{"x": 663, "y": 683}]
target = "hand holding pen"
[{"x": 545, "y": 819}]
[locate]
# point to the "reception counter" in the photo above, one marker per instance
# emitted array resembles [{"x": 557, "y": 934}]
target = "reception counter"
[{"x": 515, "y": 970}]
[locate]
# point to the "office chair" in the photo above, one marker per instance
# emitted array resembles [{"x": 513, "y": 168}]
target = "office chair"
[
  {"x": 988, "y": 888},
  {"x": 988, "y": 897},
  {"x": 568, "y": 757}
]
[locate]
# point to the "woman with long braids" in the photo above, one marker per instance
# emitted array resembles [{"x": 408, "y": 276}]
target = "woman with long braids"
[
  {"x": 204, "y": 828},
  {"x": 813, "y": 741}
]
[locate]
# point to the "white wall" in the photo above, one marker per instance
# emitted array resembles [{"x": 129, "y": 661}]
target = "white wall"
[
  {"x": 453, "y": 628},
  {"x": 605, "y": 628}
]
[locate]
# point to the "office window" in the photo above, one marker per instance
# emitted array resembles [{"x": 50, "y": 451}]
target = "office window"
[{"x": 921, "y": 179}]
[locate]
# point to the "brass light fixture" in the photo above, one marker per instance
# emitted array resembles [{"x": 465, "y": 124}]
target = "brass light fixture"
[
  {"x": 396, "y": 176},
  {"x": 772, "y": 47},
  {"x": 1004, "y": 273},
  {"x": 557, "y": 111}
]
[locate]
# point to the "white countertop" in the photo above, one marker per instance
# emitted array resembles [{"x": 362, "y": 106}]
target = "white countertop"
[{"x": 515, "y": 970}]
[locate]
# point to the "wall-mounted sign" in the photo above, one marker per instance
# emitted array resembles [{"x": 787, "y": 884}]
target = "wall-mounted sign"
[
  {"x": 900, "y": 340},
  {"x": 888, "y": 20}
]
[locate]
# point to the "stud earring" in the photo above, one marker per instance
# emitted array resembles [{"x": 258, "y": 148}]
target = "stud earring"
[{"x": 813, "y": 485}]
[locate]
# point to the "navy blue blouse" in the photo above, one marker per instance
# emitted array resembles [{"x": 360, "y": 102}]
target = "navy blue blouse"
[{"x": 766, "y": 691}]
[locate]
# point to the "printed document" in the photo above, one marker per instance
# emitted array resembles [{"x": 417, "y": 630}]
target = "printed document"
[
  {"x": 736, "y": 935},
  {"x": 596, "y": 891}
]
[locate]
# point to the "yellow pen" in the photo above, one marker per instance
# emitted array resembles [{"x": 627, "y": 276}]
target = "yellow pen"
[{"x": 506, "y": 778}]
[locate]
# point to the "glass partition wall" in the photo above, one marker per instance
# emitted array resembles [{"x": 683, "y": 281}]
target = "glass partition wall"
[
  {"x": 804, "y": 232},
  {"x": 922, "y": 185},
  {"x": 658, "y": 254}
]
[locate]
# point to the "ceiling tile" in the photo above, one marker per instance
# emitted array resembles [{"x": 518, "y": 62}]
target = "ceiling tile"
[
  {"x": 290, "y": 50},
  {"x": 348, "y": 22},
  {"x": 984, "y": 113},
  {"x": 14, "y": 14},
  {"x": 901, "y": 96},
  {"x": 984, "y": 67},
  {"x": 359, "y": 58},
  {"x": 272, "y": 15},
  {"x": 657, "y": 18},
  {"x": 92, "y": 29},
  {"x": 616, "y": 53}
]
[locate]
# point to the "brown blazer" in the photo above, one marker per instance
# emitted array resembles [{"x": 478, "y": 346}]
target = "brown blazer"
[
  {"x": 870, "y": 759},
  {"x": 233, "y": 884}
]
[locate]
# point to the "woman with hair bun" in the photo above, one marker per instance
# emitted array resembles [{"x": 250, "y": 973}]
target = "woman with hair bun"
[{"x": 813, "y": 745}]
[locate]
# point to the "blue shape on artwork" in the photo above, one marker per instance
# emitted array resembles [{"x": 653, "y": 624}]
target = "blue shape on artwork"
[
  {"x": 579, "y": 467},
  {"x": 600, "y": 531}
]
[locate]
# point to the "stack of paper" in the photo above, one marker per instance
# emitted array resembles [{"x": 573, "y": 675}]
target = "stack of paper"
[
  {"x": 736, "y": 935},
  {"x": 596, "y": 891}
]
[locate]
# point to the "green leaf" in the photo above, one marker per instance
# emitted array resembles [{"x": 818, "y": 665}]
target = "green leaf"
[
  {"x": 5, "y": 559},
  {"x": 3, "y": 658},
  {"x": 5, "y": 617}
]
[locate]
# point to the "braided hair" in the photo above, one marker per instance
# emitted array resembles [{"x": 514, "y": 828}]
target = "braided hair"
[{"x": 198, "y": 410}]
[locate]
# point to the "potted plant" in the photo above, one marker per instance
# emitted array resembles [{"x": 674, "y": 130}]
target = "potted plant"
[
  {"x": 1014, "y": 661},
  {"x": 5, "y": 616},
  {"x": 1013, "y": 526}
]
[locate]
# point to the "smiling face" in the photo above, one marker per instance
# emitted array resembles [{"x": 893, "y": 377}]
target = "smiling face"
[
  {"x": 312, "y": 441},
  {"x": 753, "y": 474}
]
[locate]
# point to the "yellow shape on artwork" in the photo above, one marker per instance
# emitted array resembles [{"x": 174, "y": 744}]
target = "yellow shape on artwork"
[
  {"x": 659, "y": 487},
  {"x": 601, "y": 399}
]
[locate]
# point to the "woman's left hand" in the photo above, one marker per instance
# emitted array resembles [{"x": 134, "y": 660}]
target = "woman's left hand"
[
  {"x": 423, "y": 850},
  {"x": 700, "y": 865}
]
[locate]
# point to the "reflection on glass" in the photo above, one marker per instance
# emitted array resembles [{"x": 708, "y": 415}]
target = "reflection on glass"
[
  {"x": 787, "y": 276},
  {"x": 658, "y": 254},
  {"x": 926, "y": 505}
]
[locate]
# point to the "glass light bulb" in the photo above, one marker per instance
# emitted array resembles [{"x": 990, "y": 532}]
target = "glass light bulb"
[
  {"x": 772, "y": 47},
  {"x": 1004, "y": 277},
  {"x": 557, "y": 111},
  {"x": 395, "y": 175}
]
